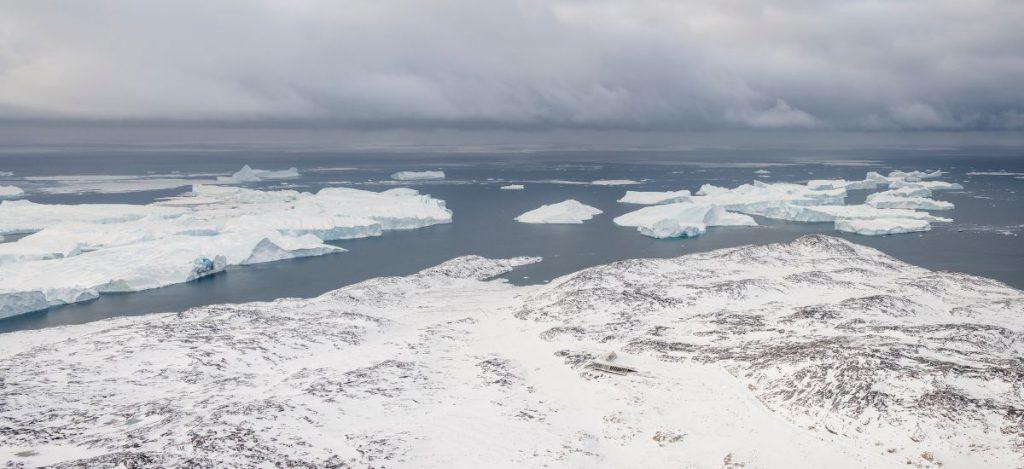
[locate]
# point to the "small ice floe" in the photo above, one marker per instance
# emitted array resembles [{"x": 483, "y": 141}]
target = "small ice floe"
[
  {"x": 10, "y": 192},
  {"x": 610, "y": 362},
  {"x": 681, "y": 220},
  {"x": 513, "y": 187},
  {"x": 614, "y": 182},
  {"x": 247, "y": 174},
  {"x": 655, "y": 198},
  {"x": 994, "y": 173},
  {"x": 417, "y": 175},
  {"x": 882, "y": 226},
  {"x": 569, "y": 212}
]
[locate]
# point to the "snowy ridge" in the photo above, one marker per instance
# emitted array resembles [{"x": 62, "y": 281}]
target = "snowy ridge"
[{"x": 814, "y": 353}]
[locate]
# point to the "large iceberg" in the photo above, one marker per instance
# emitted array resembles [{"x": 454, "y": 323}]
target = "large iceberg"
[
  {"x": 10, "y": 192},
  {"x": 569, "y": 211},
  {"x": 417, "y": 175},
  {"x": 79, "y": 251},
  {"x": 655, "y": 198},
  {"x": 248, "y": 174},
  {"x": 614, "y": 182},
  {"x": 890, "y": 199},
  {"x": 831, "y": 213},
  {"x": 755, "y": 198},
  {"x": 882, "y": 226},
  {"x": 681, "y": 219}
]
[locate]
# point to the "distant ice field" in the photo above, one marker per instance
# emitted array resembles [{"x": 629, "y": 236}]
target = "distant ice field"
[{"x": 985, "y": 237}]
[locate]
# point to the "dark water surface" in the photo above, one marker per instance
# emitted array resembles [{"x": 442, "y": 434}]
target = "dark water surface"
[{"x": 986, "y": 238}]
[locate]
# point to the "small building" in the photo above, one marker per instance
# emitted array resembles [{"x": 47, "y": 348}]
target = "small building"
[{"x": 609, "y": 363}]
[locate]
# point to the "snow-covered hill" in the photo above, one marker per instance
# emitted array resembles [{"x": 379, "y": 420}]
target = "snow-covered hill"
[{"x": 815, "y": 353}]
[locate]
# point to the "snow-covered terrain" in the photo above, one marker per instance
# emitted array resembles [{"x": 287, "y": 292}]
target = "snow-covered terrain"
[
  {"x": 815, "y": 353},
  {"x": 568, "y": 211},
  {"x": 10, "y": 192},
  {"x": 417, "y": 175},
  {"x": 76, "y": 252},
  {"x": 247, "y": 175}
]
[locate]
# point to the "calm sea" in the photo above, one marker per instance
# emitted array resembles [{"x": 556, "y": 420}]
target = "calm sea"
[{"x": 986, "y": 238}]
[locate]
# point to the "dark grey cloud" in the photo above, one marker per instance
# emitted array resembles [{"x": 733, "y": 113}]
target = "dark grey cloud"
[{"x": 662, "y": 65}]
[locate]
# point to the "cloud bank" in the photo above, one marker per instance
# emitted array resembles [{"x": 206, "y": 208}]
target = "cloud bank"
[{"x": 648, "y": 65}]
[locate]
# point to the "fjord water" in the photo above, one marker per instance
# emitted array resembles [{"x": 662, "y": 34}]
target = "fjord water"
[{"x": 986, "y": 237}]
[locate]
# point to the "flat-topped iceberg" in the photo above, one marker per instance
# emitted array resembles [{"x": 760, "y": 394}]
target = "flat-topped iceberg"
[
  {"x": 513, "y": 187},
  {"x": 569, "y": 211},
  {"x": 831, "y": 213},
  {"x": 80, "y": 251},
  {"x": 826, "y": 184},
  {"x": 755, "y": 198},
  {"x": 655, "y": 198},
  {"x": 890, "y": 199},
  {"x": 248, "y": 174},
  {"x": 10, "y": 192},
  {"x": 882, "y": 226},
  {"x": 681, "y": 219},
  {"x": 614, "y": 182},
  {"x": 417, "y": 175}
]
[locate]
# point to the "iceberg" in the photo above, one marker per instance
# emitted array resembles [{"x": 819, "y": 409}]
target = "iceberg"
[
  {"x": 755, "y": 198},
  {"x": 10, "y": 192},
  {"x": 23, "y": 216},
  {"x": 655, "y": 198},
  {"x": 76, "y": 252},
  {"x": 614, "y": 182},
  {"x": 569, "y": 211},
  {"x": 247, "y": 174},
  {"x": 893, "y": 199},
  {"x": 417, "y": 175},
  {"x": 831, "y": 213},
  {"x": 930, "y": 185},
  {"x": 681, "y": 219},
  {"x": 826, "y": 184},
  {"x": 881, "y": 226},
  {"x": 513, "y": 187}
]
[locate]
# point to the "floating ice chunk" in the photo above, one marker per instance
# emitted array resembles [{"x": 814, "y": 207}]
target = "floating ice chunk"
[
  {"x": 614, "y": 182},
  {"x": 822, "y": 184},
  {"x": 762, "y": 171},
  {"x": 994, "y": 173},
  {"x": 755, "y": 198},
  {"x": 915, "y": 175},
  {"x": 830, "y": 213},
  {"x": 417, "y": 175},
  {"x": 569, "y": 211},
  {"x": 827, "y": 184},
  {"x": 143, "y": 266},
  {"x": 889, "y": 199},
  {"x": 681, "y": 219},
  {"x": 247, "y": 174},
  {"x": 83, "y": 250},
  {"x": 22, "y": 216},
  {"x": 10, "y": 192},
  {"x": 655, "y": 198},
  {"x": 6, "y": 174},
  {"x": 930, "y": 185},
  {"x": 513, "y": 187},
  {"x": 882, "y": 226}
]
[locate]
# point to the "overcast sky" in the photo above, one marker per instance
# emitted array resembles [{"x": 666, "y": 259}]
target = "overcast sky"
[{"x": 495, "y": 64}]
